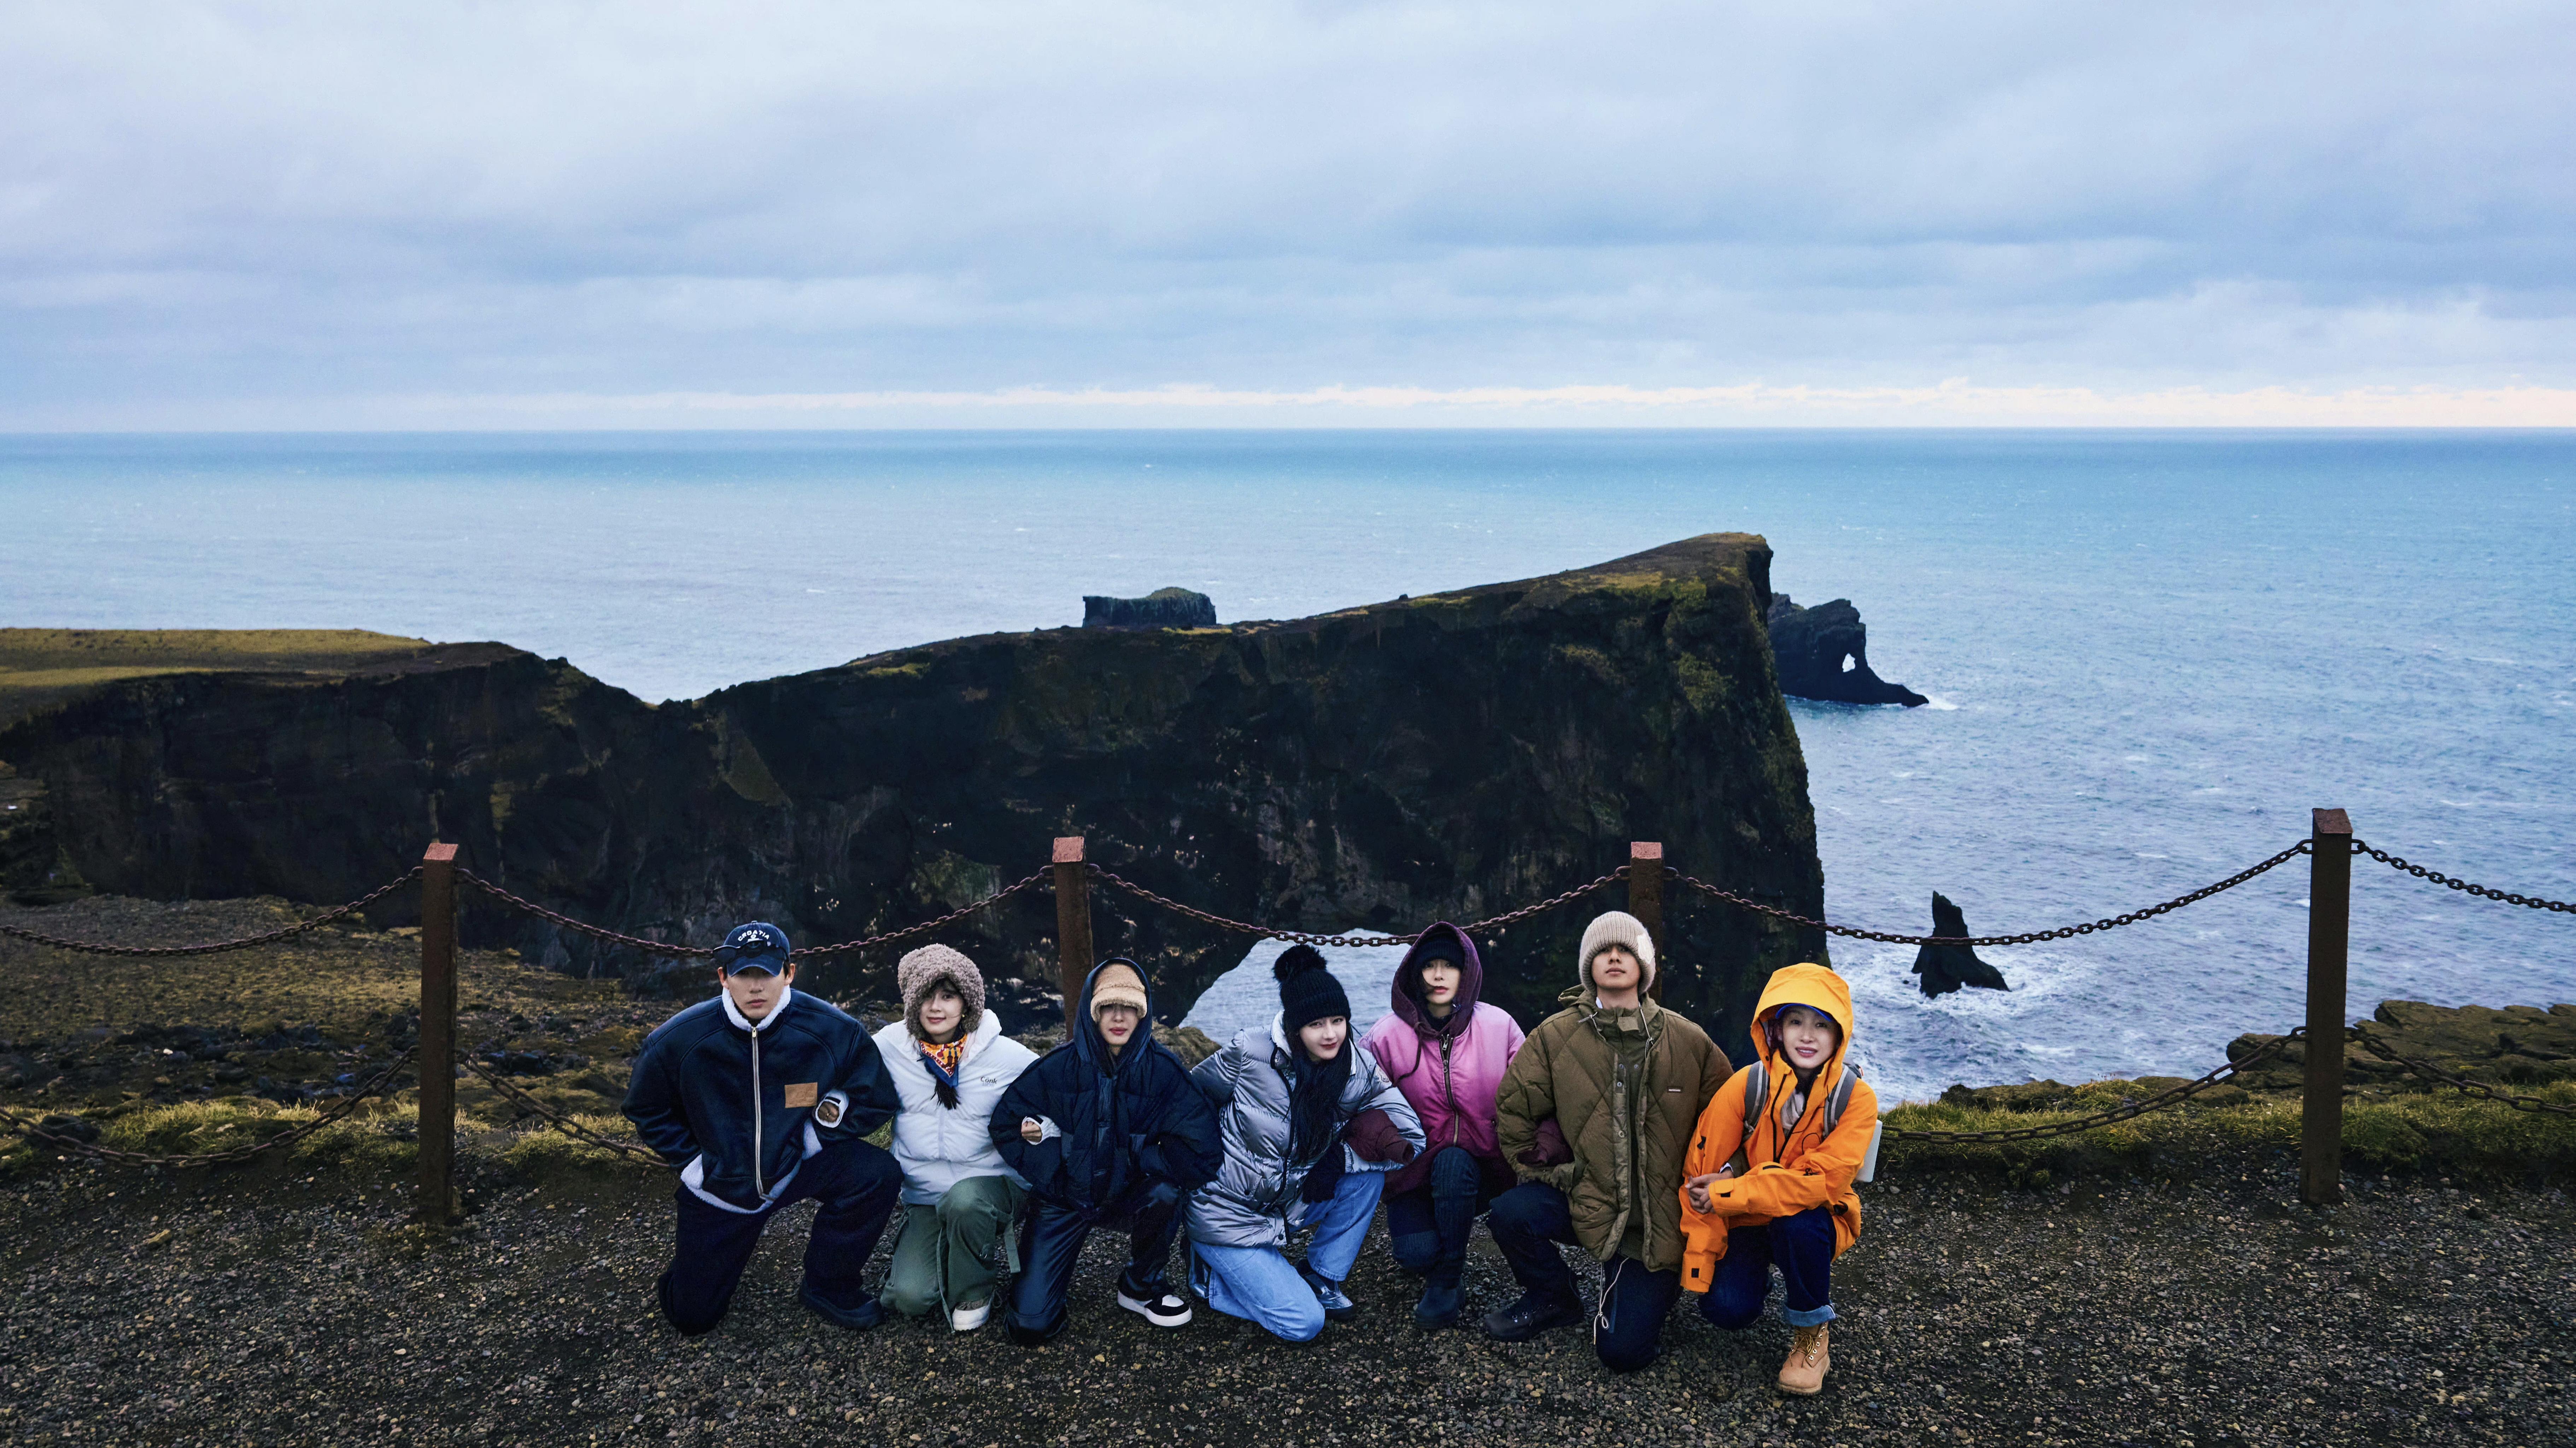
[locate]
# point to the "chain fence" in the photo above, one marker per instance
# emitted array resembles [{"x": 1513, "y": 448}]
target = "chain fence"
[
  {"x": 215, "y": 947},
  {"x": 2533, "y": 902},
  {"x": 38, "y": 1132},
  {"x": 2440, "y": 1077},
  {"x": 2217, "y": 1076},
  {"x": 1302, "y": 937},
  {"x": 635, "y": 1150},
  {"x": 666, "y": 948},
  {"x": 2063, "y": 932}
]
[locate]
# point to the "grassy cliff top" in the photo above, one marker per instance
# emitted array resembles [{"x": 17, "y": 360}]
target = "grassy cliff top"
[{"x": 41, "y": 665}]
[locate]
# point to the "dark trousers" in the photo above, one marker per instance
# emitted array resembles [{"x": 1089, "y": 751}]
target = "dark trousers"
[
  {"x": 1529, "y": 1221},
  {"x": 1428, "y": 1225},
  {"x": 855, "y": 1182},
  {"x": 1801, "y": 1246},
  {"x": 1051, "y": 1240}
]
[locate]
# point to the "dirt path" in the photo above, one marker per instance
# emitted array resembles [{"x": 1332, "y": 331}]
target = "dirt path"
[{"x": 282, "y": 1311}]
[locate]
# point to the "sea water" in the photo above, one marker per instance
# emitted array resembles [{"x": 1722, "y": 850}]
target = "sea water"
[{"x": 2149, "y": 654}]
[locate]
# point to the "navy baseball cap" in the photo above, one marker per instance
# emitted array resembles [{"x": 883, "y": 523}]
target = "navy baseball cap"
[{"x": 757, "y": 945}]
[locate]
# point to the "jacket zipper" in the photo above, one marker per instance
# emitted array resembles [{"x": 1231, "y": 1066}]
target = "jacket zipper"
[
  {"x": 1449, "y": 1088},
  {"x": 757, "y": 1184}
]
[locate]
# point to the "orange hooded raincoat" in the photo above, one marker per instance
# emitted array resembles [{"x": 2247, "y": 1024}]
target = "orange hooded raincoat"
[{"x": 1790, "y": 1166}]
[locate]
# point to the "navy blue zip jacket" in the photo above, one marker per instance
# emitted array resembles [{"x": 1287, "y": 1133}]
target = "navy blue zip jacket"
[
  {"x": 1125, "y": 1120},
  {"x": 710, "y": 1083}
]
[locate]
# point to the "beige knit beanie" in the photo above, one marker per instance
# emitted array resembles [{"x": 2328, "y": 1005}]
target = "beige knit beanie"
[
  {"x": 919, "y": 970},
  {"x": 1617, "y": 927}
]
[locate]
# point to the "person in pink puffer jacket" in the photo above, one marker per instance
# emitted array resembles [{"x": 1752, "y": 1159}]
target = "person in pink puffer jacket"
[{"x": 1445, "y": 1050}]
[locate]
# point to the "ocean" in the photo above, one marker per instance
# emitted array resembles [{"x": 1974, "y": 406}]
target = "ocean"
[{"x": 2149, "y": 654}]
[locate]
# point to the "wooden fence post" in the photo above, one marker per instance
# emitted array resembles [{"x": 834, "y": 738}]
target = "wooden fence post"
[
  {"x": 436, "y": 1201},
  {"x": 1646, "y": 900},
  {"x": 1072, "y": 923},
  {"x": 2329, "y": 942}
]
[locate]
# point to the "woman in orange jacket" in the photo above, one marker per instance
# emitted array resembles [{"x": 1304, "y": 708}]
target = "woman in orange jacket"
[{"x": 1768, "y": 1182}]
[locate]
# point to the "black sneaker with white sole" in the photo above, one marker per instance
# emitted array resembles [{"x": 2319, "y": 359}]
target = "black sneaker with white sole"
[{"x": 1155, "y": 1303}]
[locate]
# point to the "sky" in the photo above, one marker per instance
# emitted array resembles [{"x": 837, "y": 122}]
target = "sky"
[{"x": 544, "y": 215}]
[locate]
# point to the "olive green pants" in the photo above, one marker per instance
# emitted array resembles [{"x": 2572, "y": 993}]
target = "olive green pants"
[{"x": 947, "y": 1255}]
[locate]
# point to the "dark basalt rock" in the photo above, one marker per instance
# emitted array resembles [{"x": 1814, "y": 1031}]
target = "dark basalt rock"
[
  {"x": 1452, "y": 755},
  {"x": 1162, "y": 608},
  {"x": 1823, "y": 653},
  {"x": 1945, "y": 968}
]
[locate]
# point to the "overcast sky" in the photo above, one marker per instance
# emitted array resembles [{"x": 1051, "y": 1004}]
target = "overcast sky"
[{"x": 556, "y": 215}]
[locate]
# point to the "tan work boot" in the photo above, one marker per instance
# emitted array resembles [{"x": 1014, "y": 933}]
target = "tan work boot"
[{"x": 1804, "y": 1372}]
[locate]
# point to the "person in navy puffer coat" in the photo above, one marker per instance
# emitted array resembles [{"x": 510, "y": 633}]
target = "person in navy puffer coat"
[
  {"x": 762, "y": 1097},
  {"x": 1108, "y": 1131}
]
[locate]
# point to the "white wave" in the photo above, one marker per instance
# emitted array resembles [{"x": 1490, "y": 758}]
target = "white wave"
[{"x": 1935, "y": 701}]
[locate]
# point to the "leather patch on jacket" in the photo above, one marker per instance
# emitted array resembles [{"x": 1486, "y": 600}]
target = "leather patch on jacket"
[{"x": 802, "y": 1093}]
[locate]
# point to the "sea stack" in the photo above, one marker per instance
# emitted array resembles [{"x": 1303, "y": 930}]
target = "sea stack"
[
  {"x": 1162, "y": 608},
  {"x": 1823, "y": 653}
]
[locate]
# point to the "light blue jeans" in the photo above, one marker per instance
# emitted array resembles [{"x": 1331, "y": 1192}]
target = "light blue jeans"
[{"x": 1261, "y": 1285}]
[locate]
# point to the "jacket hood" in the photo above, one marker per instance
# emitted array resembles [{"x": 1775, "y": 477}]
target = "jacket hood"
[
  {"x": 1086, "y": 1028},
  {"x": 1816, "y": 988},
  {"x": 1408, "y": 979}
]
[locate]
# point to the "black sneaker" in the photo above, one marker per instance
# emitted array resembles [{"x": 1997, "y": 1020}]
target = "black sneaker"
[
  {"x": 1533, "y": 1314},
  {"x": 1337, "y": 1304},
  {"x": 1155, "y": 1303},
  {"x": 858, "y": 1319}
]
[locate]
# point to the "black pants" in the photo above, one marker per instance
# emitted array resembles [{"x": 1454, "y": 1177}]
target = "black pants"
[
  {"x": 1051, "y": 1239},
  {"x": 1427, "y": 1227},
  {"x": 856, "y": 1184},
  {"x": 1529, "y": 1221}
]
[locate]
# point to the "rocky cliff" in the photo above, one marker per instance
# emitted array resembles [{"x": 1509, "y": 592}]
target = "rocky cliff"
[{"x": 1448, "y": 755}]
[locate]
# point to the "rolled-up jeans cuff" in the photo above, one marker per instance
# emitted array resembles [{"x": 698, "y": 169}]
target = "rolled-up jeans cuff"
[{"x": 1808, "y": 1316}]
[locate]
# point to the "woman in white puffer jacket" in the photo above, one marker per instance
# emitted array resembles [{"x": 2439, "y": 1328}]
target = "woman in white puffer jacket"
[{"x": 951, "y": 1063}]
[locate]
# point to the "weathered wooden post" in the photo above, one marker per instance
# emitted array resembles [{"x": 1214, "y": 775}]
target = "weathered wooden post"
[
  {"x": 437, "y": 1061},
  {"x": 1072, "y": 922},
  {"x": 1646, "y": 900},
  {"x": 2329, "y": 942}
]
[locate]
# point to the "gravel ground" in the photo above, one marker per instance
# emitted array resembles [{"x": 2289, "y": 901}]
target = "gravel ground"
[{"x": 256, "y": 1307}]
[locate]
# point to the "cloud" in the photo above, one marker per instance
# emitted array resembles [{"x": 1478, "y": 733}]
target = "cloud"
[{"x": 306, "y": 214}]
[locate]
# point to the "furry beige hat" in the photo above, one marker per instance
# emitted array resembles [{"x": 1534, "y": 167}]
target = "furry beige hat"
[
  {"x": 1617, "y": 927},
  {"x": 1118, "y": 985},
  {"x": 922, "y": 969}
]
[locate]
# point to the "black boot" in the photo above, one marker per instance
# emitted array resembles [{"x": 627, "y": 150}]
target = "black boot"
[
  {"x": 1439, "y": 1305},
  {"x": 1534, "y": 1313}
]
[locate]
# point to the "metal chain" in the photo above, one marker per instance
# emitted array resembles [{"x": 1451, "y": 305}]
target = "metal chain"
[
  {"x": 2173, "y": 1097},
  {"x": 90, "y": 947},
  {"x": 37, "y": 1133},
  {"x": 2533, "y": 902},
  {"x": 2473, "y": 1088},
  {"x": 564, "y": 1123},
  {"x": 1301, "y": 937},
  {"x": 2063, "y": 932},
  {"x": 666, "y": 948}
]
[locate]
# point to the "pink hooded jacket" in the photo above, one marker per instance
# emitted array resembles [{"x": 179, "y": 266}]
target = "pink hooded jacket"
[{"x": 1448, "y": 1069}]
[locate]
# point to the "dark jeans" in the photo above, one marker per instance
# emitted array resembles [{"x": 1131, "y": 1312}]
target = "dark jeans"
[
  {"x": 1428, "y": 1226},
  {"x": 1529, "y": 1221},
  {"x": 1051, "y": 1240},
  {"x": 855, "y": 1182},
  {"x": 1802, "y": 1247}
]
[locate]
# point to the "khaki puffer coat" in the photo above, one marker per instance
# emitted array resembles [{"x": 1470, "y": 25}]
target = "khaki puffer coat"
[{"x": 1568, "y": 1070}]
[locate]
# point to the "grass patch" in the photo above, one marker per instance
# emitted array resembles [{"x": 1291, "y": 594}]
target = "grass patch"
[{"x": 2428, "y": 1133}]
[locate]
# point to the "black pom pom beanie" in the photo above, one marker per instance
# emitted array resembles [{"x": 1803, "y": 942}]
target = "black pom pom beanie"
[{"x": 1307, "y": 991}]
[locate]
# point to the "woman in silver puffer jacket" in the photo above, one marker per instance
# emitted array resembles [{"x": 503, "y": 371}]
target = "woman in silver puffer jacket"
[{"x": 1311, "y": 1126}]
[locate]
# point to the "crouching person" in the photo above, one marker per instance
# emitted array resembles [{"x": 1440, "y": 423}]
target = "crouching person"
[
  {"x": 1771, "y": 1169},
  {"x": 1446, "y": 1052},
  {"x": 1618, "y": 1082},
  {"x": 762, "y": 1097},
  {"x": 1108, "y": 1132},
  {"x": 951, "y": 1063},
  {"x": 1311, "y": 1126}
]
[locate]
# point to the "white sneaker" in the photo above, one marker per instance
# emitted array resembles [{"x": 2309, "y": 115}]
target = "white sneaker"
[
  {"x": 967, "y": 1319},
  {"x": 1168, "y": 1309}
]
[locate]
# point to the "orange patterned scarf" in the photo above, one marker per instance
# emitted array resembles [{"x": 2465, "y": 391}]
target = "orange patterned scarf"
[{"x": 949, "y": 1055}]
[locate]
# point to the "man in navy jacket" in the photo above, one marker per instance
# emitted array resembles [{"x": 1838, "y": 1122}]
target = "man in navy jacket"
[
  {"x": 762, "y": 1097},
  {"x": 1109, "y": 1131}
]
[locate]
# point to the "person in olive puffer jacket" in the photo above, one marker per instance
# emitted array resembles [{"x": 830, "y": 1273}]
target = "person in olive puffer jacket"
[
  {"x": 762, "y": 1097},
  {"x": 1446, "y": 1051},
  {"x": 1596, "y": 1114}
]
